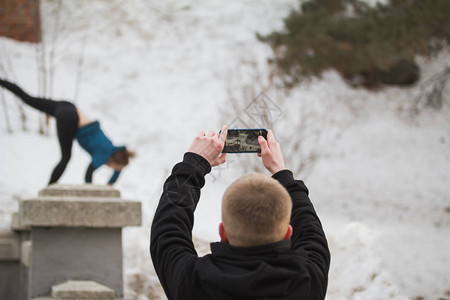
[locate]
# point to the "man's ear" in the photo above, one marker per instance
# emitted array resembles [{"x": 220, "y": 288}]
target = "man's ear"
[
  {"x": 222, "y": 233},
  {"x": 288, "y": 233}
]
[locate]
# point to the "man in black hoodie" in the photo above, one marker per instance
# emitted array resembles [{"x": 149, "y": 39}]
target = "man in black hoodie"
[{"x": 272, "y": 242}]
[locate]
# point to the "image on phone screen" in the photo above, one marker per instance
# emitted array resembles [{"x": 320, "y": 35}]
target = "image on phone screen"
[{"x": 244, "y": 140}]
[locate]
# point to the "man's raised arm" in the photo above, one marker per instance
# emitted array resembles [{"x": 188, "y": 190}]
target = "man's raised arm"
[
  {"x": 308, "y": 234},
  {"x": 171, "y": 246}
]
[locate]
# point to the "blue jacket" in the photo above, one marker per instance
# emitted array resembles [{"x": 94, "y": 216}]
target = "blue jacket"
[{"x": 92, "y": 139}]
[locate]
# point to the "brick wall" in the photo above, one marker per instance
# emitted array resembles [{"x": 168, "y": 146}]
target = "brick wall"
[{"x": 20, "y": 20}]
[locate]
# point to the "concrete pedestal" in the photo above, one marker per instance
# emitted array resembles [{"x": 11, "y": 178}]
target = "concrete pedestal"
[
  {"x": 71, "y": 232},
  {"x": 9, "y": 265},
  {"x": 72, "y": 289},
  {"x": 60, "y": 254}
]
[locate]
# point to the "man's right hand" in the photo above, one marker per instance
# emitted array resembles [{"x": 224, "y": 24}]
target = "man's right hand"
[
  {"x": 210, "y": 146},
  {"x": 272, "y": 157}
]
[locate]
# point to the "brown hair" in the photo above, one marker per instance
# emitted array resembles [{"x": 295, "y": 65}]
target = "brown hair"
[
  {"x": 122, "y": 157},
  {"x": 256, "y": 210}
]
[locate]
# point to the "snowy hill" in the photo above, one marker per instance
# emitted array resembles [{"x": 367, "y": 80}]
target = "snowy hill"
[{"x": 157, "y": 73}]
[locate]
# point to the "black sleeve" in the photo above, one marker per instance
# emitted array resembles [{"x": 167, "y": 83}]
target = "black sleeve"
[
  {"x": 308, "y": 233},
  {"x": 171, "y": 247},
  {"x": 89, "y": 172}
]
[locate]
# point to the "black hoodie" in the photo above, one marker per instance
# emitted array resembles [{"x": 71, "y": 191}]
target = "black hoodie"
[{"x": 292, "y": 269}]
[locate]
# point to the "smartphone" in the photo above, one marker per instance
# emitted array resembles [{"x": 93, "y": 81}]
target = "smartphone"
[{"x": 244, "y": 140}]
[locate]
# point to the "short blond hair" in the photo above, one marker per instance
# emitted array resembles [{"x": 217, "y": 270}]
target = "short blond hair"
[{"x": 256, "y": 210}]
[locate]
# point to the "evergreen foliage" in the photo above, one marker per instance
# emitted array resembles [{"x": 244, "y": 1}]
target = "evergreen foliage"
[{"x": 367, "y": 45}]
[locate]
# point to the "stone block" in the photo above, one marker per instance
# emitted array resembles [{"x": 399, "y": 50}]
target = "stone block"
[
  {"x": 50, "y": 298},
  {"x": 79, "y": 289},
  {"x": 16, "y": 225},
  {"x": 9, "y": 246},
  {"x": 25, "y": 253},
  {"x": 64, "y": 253},
  {"x": 80, "y": 212},
  {"x": 80, "y": 191},
  {"x": 9, "y": 280},
  {"x": 73, "y": 232},
  {"x": 9, "y": 265}
]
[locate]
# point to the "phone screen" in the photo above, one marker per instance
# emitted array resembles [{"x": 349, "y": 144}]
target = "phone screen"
[{"x": 244, "y": 140}]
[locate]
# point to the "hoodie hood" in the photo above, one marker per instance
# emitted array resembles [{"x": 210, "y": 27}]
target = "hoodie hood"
[{"x": 271, "y": 271}]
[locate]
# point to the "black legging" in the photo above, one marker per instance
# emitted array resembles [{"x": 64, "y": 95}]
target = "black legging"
[{"x": 66, "y": 117}]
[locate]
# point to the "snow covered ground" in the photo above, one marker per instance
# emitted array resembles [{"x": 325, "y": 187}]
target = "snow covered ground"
[{"x": 157, "y": 72}]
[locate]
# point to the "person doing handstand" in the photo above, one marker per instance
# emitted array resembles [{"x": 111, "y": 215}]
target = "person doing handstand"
[
  {"x": 72, "y": 124},
  {"x": 272, "y": 242}
]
